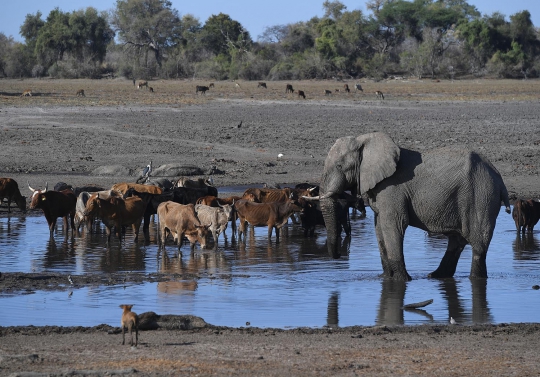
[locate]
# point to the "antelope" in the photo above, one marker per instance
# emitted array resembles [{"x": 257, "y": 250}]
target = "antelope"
[
  {"x": 142, "y": 83},
  {"x": 27, "y": 93},
  {"x": 346, "y": 88},
  {"x": 336, "y": 90},
  {"x": 327, "y": 92},
  {"x": 379, "y": 94},
  {"x": 236, "y": 85},
  {"x": 358, "y": 87},
  {"x": 301, "y": 94},
  {"x": 211, "y": 85},
  {"x": 129, "y": 321},
  {"x": 151, "y": 89},
  {"x": 80, "y": 92},
  {"x": 261, "y": 85}
]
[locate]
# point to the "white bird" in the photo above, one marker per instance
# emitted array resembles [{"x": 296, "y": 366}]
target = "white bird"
[
  {"x": 452, "y": 321},
  {"x": 280, "y": 155},
  {"x": 70, "y": 280},
  {"x": 147, "y": 170}
]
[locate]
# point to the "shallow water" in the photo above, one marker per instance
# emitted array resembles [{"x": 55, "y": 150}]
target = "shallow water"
[{"x": 291, "y": 284}]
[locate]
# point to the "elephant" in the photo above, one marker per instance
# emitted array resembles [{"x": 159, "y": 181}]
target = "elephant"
[{"x": 449, "y": 190}]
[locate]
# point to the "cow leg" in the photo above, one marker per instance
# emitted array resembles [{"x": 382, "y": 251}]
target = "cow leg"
[
  {"x": 278, "y": 231},
  {"x": 135, "y": 231},
  {"x": 270, "y": 232}
]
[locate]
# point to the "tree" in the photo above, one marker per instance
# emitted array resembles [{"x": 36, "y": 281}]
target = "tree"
[
  {"x": 333, "y": 9},
  {"x": 90, "y": 35},
  {"x": 54, "y": 38},
  {"x": 223, "y": 35},
  {"x": 151, "y": 25},
  {"x": 31, "y": 27}
]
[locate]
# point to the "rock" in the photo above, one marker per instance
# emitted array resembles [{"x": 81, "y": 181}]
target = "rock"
[
  {"x": 153, "y": 321},
  {"x": 174, "y": 170},
  {"x": 112, "y": 170}
]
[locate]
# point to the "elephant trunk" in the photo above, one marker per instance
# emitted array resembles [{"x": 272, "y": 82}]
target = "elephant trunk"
[{"x": 329, "y": 207}]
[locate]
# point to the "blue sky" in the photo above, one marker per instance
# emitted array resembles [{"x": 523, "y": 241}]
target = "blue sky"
[{"x": 254, "y": 15}]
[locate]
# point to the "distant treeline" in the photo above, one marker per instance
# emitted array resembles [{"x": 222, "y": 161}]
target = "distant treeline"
[{"x": 147, "y": 39}]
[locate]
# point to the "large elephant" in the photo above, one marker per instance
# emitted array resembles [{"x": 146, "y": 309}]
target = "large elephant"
[{"x": 451, "y": 191}]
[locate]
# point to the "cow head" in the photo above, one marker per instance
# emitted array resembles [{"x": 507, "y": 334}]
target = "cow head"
[
  {"x": 198, "y": 235},
  {"x": 37, "y": 197},
  {"x": 93, "y": 205}
]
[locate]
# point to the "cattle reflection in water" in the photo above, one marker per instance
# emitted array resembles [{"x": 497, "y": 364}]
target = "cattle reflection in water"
[{"x": 526, "y": 246}]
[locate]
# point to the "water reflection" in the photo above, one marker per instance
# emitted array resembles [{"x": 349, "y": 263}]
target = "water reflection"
[
  {"x": 332, "y": 318},
  {"x": 269, "y": 284},
  {"x": 526, "y": 246},
  {"x": 391, "y": 303}
]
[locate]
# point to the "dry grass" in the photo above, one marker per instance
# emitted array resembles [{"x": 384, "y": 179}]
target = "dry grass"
[{"x": 115, "y": 92}]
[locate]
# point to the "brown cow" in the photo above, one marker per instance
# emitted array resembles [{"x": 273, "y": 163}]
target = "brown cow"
[
  {"x": 346, "y": 88},
  {"x": 289, "y": 89},
  {"x": 180, "y": 220},
  {"x": 301, "y": 94},
  {"x": 274, "y": 215},
  {"x": 526, "y": 214},
  {"x": 262, "y": 85},
  {"x": 55, "y": 204},
  {"x": 117, "y": 212},
  {"x": 123, "y": 187},
  {"x": 9, "y": 189}
]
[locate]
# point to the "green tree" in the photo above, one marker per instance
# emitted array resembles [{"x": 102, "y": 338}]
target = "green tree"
[
  {"x": 90, "y": 35},
  {"x": 223, "y": 35},
  {"x": 31, "y": 27},
  {"x": 147, "y": 25},
  {"x": 54, "y": 38}
]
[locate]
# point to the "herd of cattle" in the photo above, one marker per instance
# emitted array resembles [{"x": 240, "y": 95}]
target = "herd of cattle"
[
  {"x": 185, "y": 208},
  {"x": 289, "y": 89}
]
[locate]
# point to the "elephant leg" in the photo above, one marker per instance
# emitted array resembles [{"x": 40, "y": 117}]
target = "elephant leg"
[
  {"x": 448, "y": 264},
  {"x": 479, "y": 254},
  {"x": 390, "y": 240}
]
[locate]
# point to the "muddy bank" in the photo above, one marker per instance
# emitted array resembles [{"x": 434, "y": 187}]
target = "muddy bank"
[{"x": 481, "y": 350}]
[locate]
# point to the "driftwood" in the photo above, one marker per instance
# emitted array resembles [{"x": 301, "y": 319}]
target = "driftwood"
[{"x": 418, "y": 304}]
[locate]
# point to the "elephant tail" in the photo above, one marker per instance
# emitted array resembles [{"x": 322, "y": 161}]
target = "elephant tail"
[{"x": 504, "y": 198}]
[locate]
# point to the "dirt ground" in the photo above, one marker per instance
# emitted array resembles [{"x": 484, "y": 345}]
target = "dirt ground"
[{"x": 235, "y": 135}]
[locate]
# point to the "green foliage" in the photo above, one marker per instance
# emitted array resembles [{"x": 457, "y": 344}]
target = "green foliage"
[{"x": 422, "y": 37}]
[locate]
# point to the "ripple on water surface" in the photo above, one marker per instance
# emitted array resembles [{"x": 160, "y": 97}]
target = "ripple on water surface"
[{"x": 291, "y": 284}]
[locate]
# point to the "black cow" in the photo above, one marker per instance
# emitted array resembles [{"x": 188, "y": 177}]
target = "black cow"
[{"x": 55, "y": 204}]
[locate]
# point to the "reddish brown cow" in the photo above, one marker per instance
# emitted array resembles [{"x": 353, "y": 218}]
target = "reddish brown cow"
[
  {"x": 9, "y": 189},
  {"x": 55, "y": 204},
  {"x": 273, "y": 215},
  {"x": 180, "y": 220},
  {"x": 526, "y": 214},
  {"x": 123, "y": 187},
  {"x": 117, "y": 212}
]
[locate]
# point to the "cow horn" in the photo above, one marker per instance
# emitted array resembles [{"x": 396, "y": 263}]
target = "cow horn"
[
  {"x": 311, "y": 198},
  {"x": 46, "y": 186},
  {"x": 31, "y": 189},
  {"x": 311, "y": 189}
]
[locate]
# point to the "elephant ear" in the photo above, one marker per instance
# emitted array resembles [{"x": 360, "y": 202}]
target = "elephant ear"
[{"x": 379, "y": 156}]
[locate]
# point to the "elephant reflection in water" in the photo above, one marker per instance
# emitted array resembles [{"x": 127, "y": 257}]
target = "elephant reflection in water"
[
  {"x": 391, "y": 311},
  {"x": 310, "y": 249},
  {"x": 332, "y": 318}
]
